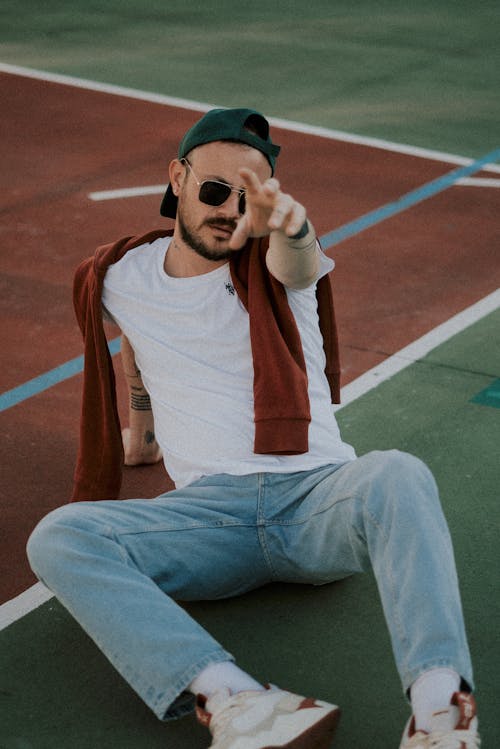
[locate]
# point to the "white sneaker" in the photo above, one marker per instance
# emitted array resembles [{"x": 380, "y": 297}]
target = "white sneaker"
[
  {"x": 453, "y": 728},
  {"x": 267, "y": 720}
]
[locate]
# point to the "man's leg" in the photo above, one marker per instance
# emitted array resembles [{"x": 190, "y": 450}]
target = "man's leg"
[
  {"x": 113, "y": 563},
  {"x": 381, "y": 510}
]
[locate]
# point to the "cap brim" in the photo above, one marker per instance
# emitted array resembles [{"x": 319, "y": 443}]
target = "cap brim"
[{"x": 168, "y": 206}]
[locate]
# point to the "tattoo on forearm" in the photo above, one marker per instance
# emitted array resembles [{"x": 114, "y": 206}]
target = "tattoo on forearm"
[
  {"x": 137, "y": 373},
  {"x": 140, "y": 402},
  {"x": 149, "y": 437}
]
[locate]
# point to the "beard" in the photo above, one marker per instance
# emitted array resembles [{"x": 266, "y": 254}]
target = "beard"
[{"x": 196, "y": 243}]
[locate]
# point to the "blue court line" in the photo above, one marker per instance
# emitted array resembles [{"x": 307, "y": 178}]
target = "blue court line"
[
  {"x": 48, "y": 379},
  {"x": 75, "y": 366},
  {"x": 406, "y": 201}
]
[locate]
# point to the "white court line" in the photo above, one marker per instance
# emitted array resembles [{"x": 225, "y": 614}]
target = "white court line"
[
  {"x": 322, "y": 132},
  {"x": 418, "y": 349},
  {"x": 135, "y": 192},
  {"x": 18, "y": 607},
  {"x": 478, "y": 182},
  {"x": 128, "y": 192}
]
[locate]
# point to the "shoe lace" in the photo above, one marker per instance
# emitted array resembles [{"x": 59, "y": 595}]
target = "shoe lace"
[{"x": 463, "y": 739}]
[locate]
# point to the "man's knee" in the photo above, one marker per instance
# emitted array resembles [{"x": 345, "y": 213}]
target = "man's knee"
[
  {"x": 404, "y": 467},
  {"x": 400, "y": 468},
  {"x": 51, "y": 537},
  {"x": 403, "y": 483}
]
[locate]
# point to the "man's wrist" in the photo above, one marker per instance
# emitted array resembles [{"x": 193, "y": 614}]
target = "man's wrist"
[
  {"x": 304, "y": 240},
  {"x": 302, "y": 232}
]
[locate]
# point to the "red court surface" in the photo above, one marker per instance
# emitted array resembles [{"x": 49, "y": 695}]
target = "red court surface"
[{"x": 392, "y": 283}]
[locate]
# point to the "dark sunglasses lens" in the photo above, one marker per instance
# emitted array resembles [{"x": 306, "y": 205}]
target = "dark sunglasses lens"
[{"x": 214, "y": 193}]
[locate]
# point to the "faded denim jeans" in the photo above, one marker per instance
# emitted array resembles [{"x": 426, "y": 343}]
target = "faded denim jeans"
[{"x": 119, "y": 566}]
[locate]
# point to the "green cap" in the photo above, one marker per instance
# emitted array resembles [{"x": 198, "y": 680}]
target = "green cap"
[{"x": 236, "y": 125}]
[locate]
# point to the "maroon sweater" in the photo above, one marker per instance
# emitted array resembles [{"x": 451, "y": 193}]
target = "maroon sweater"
[{"x": 281, "y": 402}]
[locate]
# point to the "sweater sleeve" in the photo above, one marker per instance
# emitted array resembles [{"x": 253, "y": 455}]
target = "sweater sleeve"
[
  {"x": 99, "y": 465},
  {"x": 100, "y": 455}
]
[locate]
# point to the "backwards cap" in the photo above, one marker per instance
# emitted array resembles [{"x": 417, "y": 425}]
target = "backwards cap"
[{"x": 236, "y": 125}]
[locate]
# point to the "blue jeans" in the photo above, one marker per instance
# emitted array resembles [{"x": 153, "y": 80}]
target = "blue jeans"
[{"x": 118, "y": 566}]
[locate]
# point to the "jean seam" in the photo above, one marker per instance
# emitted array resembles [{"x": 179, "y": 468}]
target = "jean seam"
[
  {"x": 116, "y": 537},
  {"x": 306, "y": 518},
  {"x": 119, "y": 533},
  {"x": 111, "y": 535},
  {"x": 261, "y": 528}
]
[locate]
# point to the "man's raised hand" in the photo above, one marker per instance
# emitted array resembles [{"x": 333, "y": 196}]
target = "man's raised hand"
[{"x": 267, "y": 209}]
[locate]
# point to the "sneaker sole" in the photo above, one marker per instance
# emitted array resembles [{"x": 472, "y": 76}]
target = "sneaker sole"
[{"x": 318, "y": 736}]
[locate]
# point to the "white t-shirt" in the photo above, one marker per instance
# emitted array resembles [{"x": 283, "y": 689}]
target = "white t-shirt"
[{"x": 191, "y": 340}]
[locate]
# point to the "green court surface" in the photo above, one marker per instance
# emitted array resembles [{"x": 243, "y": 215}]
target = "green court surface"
[
  {"x": 58, "y": 692},
  {"x": 423, "y": 73}
]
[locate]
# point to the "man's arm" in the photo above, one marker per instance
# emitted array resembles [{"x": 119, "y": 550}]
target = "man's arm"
[
  {"x": 294, "y": 260},
  {"x": 139, "y": 442},
  {"x": 292, "y": 257}
]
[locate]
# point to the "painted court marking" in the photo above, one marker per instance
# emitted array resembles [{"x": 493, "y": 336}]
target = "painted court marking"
[
  {"x": 489, "y": 396},
  {"x": 424, "y": 192},
  {"x": 418, "y": 349},
  {"x": 128, "y": 192},
  {"x": 21, "y": 605},
  {"x": 138, "y": 192},
  {"x": 478, "y": 182},
  {"x": 48, "y": 379},
  {"x": 299, "y": 127}
]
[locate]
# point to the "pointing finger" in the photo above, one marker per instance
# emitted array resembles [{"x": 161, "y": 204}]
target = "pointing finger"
[
  {"x": 240, "y": 234},
  {"x": 251, "y": 181},
  {"x": 253, "y": 184},
  {"x": 282, "y": 208},
  {"x": 297, "y": 219}
]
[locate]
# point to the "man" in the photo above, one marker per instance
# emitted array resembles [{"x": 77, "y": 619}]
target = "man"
[{"x": 229, "y": 350}]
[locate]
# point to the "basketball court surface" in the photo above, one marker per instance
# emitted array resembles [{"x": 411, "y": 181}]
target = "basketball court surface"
[{"x": 415, "y": 239}]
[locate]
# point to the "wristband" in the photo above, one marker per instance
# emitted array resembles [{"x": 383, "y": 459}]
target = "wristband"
[{"x": 303, "y": 231}]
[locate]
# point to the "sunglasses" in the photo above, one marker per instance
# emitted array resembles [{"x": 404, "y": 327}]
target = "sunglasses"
[{"x": 213, "y": 192}]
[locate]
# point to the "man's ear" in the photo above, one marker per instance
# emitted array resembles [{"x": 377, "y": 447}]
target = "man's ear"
[{"x": 177, "y": 173}]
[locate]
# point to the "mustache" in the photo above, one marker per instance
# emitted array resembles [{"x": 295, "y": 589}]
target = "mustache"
[{"x": 229, "y": 224}]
